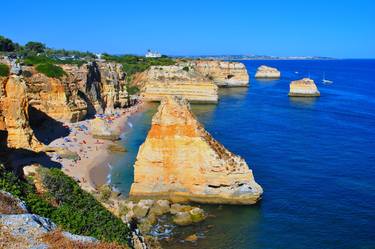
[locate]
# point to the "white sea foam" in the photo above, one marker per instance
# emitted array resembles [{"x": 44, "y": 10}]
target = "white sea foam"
[{"x": 109, "y": 176}]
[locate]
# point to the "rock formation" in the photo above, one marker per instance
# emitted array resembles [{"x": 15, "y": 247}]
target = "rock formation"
[
  {"x": 180, "y": 161},
  {"x": 20, "y": 229},
  {"x": 264, "y": 72},
  {"x": 196, "y": 81},
  {"x": 14, "y": 112},
  {"x": 161, "y": 81},
  {"x": 303, "y": 88},
  {"x": 88, "y": 89},
  {"x": 31, "y": 98},
  {"x": 57, "y": 98},
  {"x": 223, "y": 73}
]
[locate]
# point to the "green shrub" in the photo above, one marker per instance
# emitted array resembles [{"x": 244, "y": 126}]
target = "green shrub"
[
  {"x": 50, "y": 70},
  {"x": 34, "y": 60},
  {"x": 133, "y": 64},
  {"x": 105, "y": 192},
  {"x": 36, "y": 47},
  {"x": 4, "y": 70},
  {"x": 185, "y": 69},
  {"x": 25, "y": 191},
  {"x": 7, "y": 45},
  {"x": 77, "y": 211}
]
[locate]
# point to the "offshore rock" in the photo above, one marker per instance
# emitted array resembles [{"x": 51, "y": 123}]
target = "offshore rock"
[
  {"x": 223, "y": 73},
  {"x": 303, "y": 88},
  {"x": 161, "y": 81},
  {"x": 180, "y": 161},
  {"x": 264, "y": 72}
]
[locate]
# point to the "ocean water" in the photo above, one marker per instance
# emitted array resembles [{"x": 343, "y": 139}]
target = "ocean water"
[{"x": 314, "y": 158}]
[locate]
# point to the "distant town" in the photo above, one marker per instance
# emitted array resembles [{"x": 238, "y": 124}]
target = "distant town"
[{"x": 255, "y": 57}]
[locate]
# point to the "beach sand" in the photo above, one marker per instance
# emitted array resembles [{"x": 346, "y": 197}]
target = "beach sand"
[{"x": 91, "y": 169}]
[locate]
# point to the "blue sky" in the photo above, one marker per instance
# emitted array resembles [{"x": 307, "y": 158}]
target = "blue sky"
[{"x": 342, "y": 29}]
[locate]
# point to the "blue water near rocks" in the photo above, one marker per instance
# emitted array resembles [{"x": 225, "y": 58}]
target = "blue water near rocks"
[{"x": 314, "y": 157}]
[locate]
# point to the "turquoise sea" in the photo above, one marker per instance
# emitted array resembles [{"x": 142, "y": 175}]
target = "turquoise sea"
[{"x": 314, "y": 157}]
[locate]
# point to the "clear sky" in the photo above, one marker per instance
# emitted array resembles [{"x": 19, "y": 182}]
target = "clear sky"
[{"x": 337, "y": 28}]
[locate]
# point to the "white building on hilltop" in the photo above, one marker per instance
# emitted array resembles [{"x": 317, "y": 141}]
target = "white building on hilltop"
[{"x": 151, "y": 54}]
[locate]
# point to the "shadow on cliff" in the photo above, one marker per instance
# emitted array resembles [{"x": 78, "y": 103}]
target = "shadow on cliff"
[
  {"x": 46, "y": 129},
  {"x": 90, "y": 107},
  {"x": 18, "y": 158}
]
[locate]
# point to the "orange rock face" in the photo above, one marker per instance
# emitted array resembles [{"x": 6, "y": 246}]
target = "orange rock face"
[
  {"x": 55, "y": 97},
  {"x": 160, "y": 81},
  {"x": 32, "y": 98},
  {"x": 14, "y": 110},
  {"x": 99, "y": 86},
  {"x": 223, "y": 73},
  {"x": 182, "y": 162}
]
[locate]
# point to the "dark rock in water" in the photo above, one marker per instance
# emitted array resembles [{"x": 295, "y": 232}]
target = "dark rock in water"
[{"x": 182, "y": 219}]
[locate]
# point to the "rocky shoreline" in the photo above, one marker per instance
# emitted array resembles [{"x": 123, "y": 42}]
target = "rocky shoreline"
[{"x": 73, "y": 122}]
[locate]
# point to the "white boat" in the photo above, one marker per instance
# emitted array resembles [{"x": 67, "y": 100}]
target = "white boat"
[{"x": 325, "y": 81}]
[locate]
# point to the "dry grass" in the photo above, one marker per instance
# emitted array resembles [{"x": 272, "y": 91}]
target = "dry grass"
[
  {"x": 7, "y": 240},
  {"x": 9, "y": 206},
  {"x": 56, "y": 240}
]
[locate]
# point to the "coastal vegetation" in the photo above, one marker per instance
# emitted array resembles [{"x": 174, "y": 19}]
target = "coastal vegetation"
[
  {"x": 7, "y": 45},
  {"x": 38, "y": 59},
  {"x": 134, "y": 64},
  {"x": 66, "y": 204},
  {"x": 4, "y": 70},
  {"x": 38, "y": 54},
  {"x": 31, "y": 48},
  {"x": 50, "y": 70}
]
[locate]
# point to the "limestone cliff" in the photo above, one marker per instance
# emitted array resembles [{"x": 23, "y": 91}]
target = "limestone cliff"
[
  {"x": 57, "y": 98},
  {"x": 14, "y": 117},
  {"x": 197, "y": 81},
  {"x": 161, "y": 81},
  {"x": 223, "y": 73},
  {"x": 29, "y": 99},
  {"x": 303, "y": 88},
  {"x": 179, "y": 160},
  {"x": 264, "y": 72},
  {"x": 88, "y": 89}
]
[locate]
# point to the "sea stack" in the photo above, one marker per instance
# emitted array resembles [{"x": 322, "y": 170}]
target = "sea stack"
[
  {"x": 180, "y": 161},
  {"x": 303, "y": 88},
  {"x": 264, "y": 72}
]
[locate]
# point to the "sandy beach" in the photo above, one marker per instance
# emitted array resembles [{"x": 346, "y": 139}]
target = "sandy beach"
[{"x": 90, "y": 168}]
